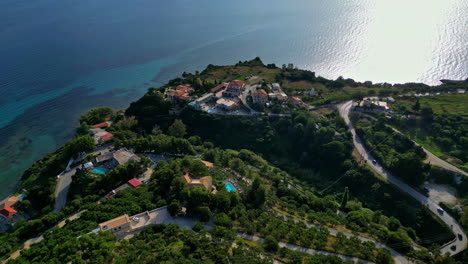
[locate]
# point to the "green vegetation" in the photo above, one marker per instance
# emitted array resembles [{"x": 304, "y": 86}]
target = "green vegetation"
[
  {"x": 97, "y": 115},
  {"x": 441, "y": 126},
  {"x": 300, "y": 166}
]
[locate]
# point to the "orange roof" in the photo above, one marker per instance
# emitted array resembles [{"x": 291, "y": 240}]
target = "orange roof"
[
  {"x": 103, "y": 124},
  {"x": 207, "y": 163},
  {"x": 11, "y": 201},
  {"x": 236, "y": 83},
  {"x": 187, "y": 178},
  {"x": 8, "y": 212},
  {"x": 260, "y": 92},
  {"x": 217, "y": 88},
  {"x": 113, "y": 223},
  {"x": 295, "y": 98}
]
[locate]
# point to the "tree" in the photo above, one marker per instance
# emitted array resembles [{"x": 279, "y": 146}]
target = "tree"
[
  {"x": 97, "y": 115},
  {"x": 271, "y": 244},
  {"x": 223, "y": 219},
  {"x": 174, "y": 208},
  {"x": 127, "y": 123},
  {"x": 177, "y": 129},
  {"x": 79, "y": 144},
  {"x": 416, "y": 105},
  {"x": 344, "y": 199},
  {"x": 205, "y": 213},
  {"x": 427, "y": 113}
]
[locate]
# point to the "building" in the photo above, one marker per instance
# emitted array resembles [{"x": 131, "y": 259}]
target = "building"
[
  {"x": 100, "y": 135},
  {"x": 260, "y": 97},
  {"x": 226, "y": 104},
  {"x": 219, "y": 88},
  {"x": 276, "y": 87},
  {"x": 9, "y": 202},
  {"x": 207, "y": 163},
  {"x": 295, "y": 100},
  {"x": 119, "y": 157},
  {"x": 180, "y": 94},
  {"x": 234, "y": 88},
  {"x": 206, "y": 182},
  {"x": 103, "y": 124},
  {"x": 373, "y": 103},
  {"x": 9, "y": 212},
  {"x": 134, "y": 183},
  {"x": 117, "y": 225},
  {"x": 312, "y": 92}
]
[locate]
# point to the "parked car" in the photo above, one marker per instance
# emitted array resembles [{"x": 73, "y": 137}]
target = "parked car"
[
  {"x": 460, "y": 237},
  {"x": 426, "y": 189},
  {"x": 374, "y": 161},
  {"x": 440, "y": 210},
  {"x": 453, "y": 248}
]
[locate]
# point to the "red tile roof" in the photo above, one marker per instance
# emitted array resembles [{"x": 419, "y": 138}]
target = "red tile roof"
[
  {"x": 236, "y": 83},
  {"x": 293, "y": 98},
  {"x": 106, "y": 136},
  {"x": 134, "y": 182},
  {"x": 103, "y": 124},
  {"x": 217, "y": 88}
]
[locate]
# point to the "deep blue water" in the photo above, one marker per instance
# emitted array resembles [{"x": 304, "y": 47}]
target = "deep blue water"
[{"x": 60, "y": 58}]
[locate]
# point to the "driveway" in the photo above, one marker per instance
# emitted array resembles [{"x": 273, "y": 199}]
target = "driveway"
[
  {"x": 62, "y": 188},
  {"x": 430, "y": 204}
]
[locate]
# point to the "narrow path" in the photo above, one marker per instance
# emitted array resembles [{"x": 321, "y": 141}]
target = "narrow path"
[
  {"x": 304, "y": 250},
  {"x": 397, "y": 257},
  {"x": 454, "y": 247}
]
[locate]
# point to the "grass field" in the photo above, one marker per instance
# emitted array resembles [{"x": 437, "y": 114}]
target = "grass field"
[
  {"x": 450, "y": 104},
  {"x": 228, "y": 73}
]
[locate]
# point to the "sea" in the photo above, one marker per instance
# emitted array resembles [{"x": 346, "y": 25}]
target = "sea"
[{"x": 60, "y": 58}]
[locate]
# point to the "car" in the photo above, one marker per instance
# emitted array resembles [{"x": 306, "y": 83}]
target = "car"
[
  {"x": 460, "y": 237},
  {"x": 374, "y": 161},
  {"x": 453, "y": 248},
  {"x": 440, "y": 210},
  {"x": 426, "y": 189}
]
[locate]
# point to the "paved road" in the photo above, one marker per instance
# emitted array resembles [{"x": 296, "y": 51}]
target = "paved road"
[
  {"x": 304, "y": 250},
  {"x": 432, "y": 205},
  {"x": 431, "y": 158}
]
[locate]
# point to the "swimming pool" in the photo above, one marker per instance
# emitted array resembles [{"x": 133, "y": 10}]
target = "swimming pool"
[
  {"x": 229, "y": 187},
  {"x": 99, "y": 170},
  {"x": 211, "y": 110},
  {"x": 21, "y": 197}
]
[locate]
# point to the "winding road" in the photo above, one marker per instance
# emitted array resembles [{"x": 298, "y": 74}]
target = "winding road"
[{"x": 454, "y": 247}]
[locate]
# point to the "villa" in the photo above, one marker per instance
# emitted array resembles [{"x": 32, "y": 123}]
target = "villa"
[
  {"x": 100, "y": 135},
  {"x": 117, "y": 225},
  {"x": 226, "y": 104},
  {"x": 124, "y": 223},
  {"x": 374, "y": 103},
  {"x": 6, "y": 206},
  {"x": 180, "y": 94},
  {"x": 206, "y": 182},
  {"x": 260, "y": 97},
  {"x": 234, "y": 88},
  {"x": 119, "y": 157}
]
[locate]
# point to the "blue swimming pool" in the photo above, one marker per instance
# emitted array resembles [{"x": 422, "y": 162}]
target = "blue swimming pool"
[
  {"x": 211, "y": 110},
  {"x": 21, "y": 197},
  {"x": 229, "y": 187},
  {"x": 100, "y": 170}
]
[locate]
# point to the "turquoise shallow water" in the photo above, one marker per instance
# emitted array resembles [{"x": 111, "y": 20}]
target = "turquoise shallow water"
[{"x": 61, "y": 58}]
